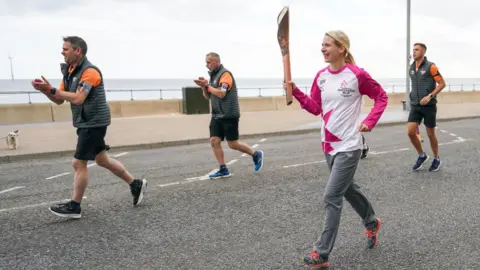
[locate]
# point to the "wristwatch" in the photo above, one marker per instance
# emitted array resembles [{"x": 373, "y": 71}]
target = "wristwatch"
[{"x": 53, "y": 91}]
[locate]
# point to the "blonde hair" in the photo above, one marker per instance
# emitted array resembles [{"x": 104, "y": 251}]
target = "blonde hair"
[{"x": 341, "y": 39}]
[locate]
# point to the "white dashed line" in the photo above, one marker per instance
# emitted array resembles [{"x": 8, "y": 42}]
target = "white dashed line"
[
  {"x": 201, "y": 177},
  {"x": 255, "y": 146},
  {"x": 454, "y": 135},
  {"x": 33, "y": 205},
  {"x": 58, "y": 175},
  {"x": 263, "y": 140},
  {"x": 189, "y": 180},
  {"x": 455, "y": 141},
  {"x": 10, "y": 189},
  {"x": 390, "y": 151},
  {"x": 303, "y": 164},
  {"x": 121, "y": 154},
  {"x": 232, "y": 161},
  {"x": 88, "y": 166},
  {"x": 460, "y": 140},
  {"x": 169, "y": 184}
]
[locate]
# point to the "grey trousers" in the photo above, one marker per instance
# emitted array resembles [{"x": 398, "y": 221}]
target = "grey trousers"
[{"x": 341, "y": 184}]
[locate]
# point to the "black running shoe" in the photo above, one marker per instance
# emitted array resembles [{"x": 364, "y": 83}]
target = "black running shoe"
[
  {"x": 66, "y": 210},
  {"x": 137, "y": 188},
  {"x": 365, "y": 152}
]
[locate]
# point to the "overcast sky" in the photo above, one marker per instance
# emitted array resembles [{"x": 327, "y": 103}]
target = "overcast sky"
[{"x": 164, "y": 39}]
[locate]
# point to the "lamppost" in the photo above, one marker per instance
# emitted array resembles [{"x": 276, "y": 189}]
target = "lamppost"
[{"x": 407, "y": 79}]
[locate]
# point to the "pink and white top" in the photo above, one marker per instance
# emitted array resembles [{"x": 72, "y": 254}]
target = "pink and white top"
[{"x": 337, "y": 97}]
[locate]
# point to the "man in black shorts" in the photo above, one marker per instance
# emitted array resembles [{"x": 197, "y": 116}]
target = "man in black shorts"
[
  {"x": 425, "y": 76},
  {"x": 221, "y": 89},
  {"x": 82, "y": 86}
]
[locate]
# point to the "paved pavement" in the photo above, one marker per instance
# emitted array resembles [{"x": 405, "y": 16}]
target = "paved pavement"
[
  {"x": 264, "y": 220},
  {"x": 59, "y": 138}
]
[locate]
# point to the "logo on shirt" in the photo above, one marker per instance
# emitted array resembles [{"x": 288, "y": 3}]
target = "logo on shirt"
[
  {"x": 224, "y": 87},
  {"x": 321, "y": 83},
  {"x": 345, "y": 90}
]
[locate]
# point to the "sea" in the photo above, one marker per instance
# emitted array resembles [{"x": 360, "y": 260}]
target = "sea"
[{"x": 20, "y": 91}]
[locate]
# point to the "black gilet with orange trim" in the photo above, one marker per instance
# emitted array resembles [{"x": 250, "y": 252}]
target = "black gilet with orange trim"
[
  {"x": 227, "y": 107},
  {"x": 95, "y": 111},
  {"x": 423, "y": 83}
]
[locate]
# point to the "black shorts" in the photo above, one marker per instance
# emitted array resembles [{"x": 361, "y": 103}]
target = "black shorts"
[
  {"x": 224, "y": 128},
  {"x": 91, "y": 141},
  {"x": 426, "y": 113}
]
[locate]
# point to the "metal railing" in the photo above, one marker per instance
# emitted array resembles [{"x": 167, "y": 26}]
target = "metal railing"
[{"x": 22, "y": 97}]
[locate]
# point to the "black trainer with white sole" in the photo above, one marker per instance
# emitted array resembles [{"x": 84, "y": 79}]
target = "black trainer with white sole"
[
  {"x": 138, "y": 188},
  {"x": 66, "y": 210}
]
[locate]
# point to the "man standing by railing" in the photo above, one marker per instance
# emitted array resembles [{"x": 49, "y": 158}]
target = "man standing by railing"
[
  {"x": 424, "y": 76},
  {"x": 82, "y": 86},
  {"x": 222, "y": 91}
]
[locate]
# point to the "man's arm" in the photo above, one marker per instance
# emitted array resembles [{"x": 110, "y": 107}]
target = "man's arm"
[
  {"x": 226, "y": 82},
  {"x": 90, "y": 78},
  {"x": 438, "y": 78},
  {"x": 54, "y": 99},
  {"x": 206, "y": 94}
]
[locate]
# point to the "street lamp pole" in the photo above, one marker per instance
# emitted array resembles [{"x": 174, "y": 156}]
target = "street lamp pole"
[{"x": 407, "y": 79}]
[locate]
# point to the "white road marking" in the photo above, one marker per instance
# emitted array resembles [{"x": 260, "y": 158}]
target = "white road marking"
[
  {"x": 121, "y": 154},
  {"x": 58, "y": 175},
  {"x": 169, "y": 184},
  {"x": 444, "y": 131},
  {"x": 88, "y": 166},
  {"x": 303, "y": 164},
  {"x": 10, "y": 189},
  {"x": 253, "y": 146},
  {"x": 390, "y": 151},
  {"x": 452, "y": 134},
  {"x": 34, "y": 205},
  {"x": 263, "y": 140},
  {"x": 232, "y": 161},
  {"x": 460, "y": 140},
  {"x": 189, "y": 180},
  {"x": 198, "y": 177}
]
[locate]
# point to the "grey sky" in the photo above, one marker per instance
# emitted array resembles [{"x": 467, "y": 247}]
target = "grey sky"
[{"x": 168, "y": 39}]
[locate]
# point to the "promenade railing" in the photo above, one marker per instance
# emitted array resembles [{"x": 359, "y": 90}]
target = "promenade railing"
[{"x": 32, "y": 96}]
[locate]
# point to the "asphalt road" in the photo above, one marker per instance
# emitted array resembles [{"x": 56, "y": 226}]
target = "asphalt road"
[{"x": 265, "y": 220}]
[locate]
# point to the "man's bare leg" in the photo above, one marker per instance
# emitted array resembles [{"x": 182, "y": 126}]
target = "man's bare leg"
[
  {"x": 412, "y": 134},
  {"x": 433, "y": 141},
  {"x": 257, "y": 156},
  {"x": 115, "y": 166},
  {"x": 242, "y": 147},
  {"x": 216, "y": 144},
  {"x": 80, "y": 180},
  {"x": 422, "y": 156},
  {"x": 137, "y": 186}
]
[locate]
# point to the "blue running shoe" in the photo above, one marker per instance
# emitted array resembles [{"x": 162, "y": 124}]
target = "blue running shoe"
[
  {"x": 258, "y": 160},
  {"x": 221, "y": 173},
  {"x": 435, "y": 165},
  {"x": 420, "y": 161}
]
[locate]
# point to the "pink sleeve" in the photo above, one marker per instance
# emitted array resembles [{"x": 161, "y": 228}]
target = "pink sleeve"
[
  {"x": 368, "y": 86},
  {"x": 312, "y": 103}
]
